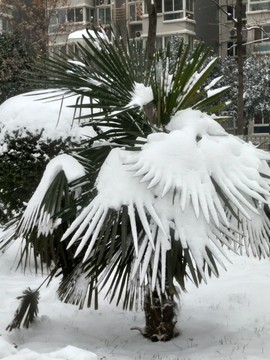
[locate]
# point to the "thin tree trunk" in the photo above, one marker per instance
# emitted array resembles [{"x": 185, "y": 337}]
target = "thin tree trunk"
[
  {"x": 152, "y": 30},
  {"x": 152, "y": 6},
  {"x": 240, "y": 102}
]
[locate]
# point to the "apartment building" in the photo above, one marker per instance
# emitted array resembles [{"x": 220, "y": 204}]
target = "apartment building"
[
  {"x": 255, "y": 31},
  {"x": 67, "y": 17},
  {"x": 206, "y": 20},
  {"x": 175, "y": 18},
  {"x": 258, "y": 26}
]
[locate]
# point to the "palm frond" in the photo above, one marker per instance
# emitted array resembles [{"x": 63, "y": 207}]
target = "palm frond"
[{"x": 27, "y": 310}]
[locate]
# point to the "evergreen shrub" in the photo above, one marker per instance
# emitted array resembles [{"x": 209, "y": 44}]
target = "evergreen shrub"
[{"x": 23, "y": 158}]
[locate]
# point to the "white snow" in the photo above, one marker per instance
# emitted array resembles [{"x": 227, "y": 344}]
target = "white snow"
[
  {"x": 67, "y": 353},
  {"x": 141, "y": 95},
  {"x": 201, "y": 123},
  {"x": 37, "y": 111},
  {"x": 216, "y": 91},
  {"x": 228, "y": 319},
  {"x": 79, "y": 34},
  {"x": 72, "y": 170}
]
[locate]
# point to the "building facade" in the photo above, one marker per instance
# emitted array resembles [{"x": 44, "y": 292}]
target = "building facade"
[
  {"x": 175, "y": 18},
  {"x": 258, "y": 25},
  {"x": 255, "y": 31}
]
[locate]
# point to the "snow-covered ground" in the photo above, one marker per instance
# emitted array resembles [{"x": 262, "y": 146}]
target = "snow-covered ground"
[{"x": 226, "y": 319}]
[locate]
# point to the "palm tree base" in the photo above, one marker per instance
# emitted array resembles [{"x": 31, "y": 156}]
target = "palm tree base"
[{"x": 160, "y": 323}]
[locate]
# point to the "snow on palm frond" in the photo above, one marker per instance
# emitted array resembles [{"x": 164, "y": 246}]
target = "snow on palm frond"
[
  {"x": 116, "y": 188},
  {"x": 255, "y": 231},
  {"x": 38, "y": 213},
  {"x": 192, "y": 180}
]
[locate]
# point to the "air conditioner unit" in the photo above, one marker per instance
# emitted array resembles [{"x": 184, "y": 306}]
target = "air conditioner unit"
[
  {"x": 233, "y": 33},
  {"x": 138, "y": 33}
]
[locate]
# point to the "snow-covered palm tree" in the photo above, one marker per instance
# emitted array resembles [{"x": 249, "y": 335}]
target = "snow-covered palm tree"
[{"x": 156, "y": 195}]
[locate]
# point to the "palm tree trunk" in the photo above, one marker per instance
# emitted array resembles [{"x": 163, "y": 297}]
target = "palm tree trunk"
[{"x": 160, "y": 317}]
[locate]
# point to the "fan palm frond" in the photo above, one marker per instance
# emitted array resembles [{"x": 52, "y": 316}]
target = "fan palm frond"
[
  {"x": 111, "y": 72},
  {"x": 27, "y": 310},
  {"x": 41, "y": 222}
]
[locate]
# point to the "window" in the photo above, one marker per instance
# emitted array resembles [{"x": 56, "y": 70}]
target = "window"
[
  {"x": 89, "y": 15},
  {"x": 261, "y": 33},
  {"x": 104, "y": 15},
  {"x": 57, "y": 19},
  {"x": 173, "y": 9},
  {"x": 232, "y": 49},
  {"x": 61, "y": 16},
  {"x": 162, "y": 41},
  {"x": 75, "y": 15},
  {"x": 103, "y": 2},
  {"x": 178, "y": 9},
  {"x": 257, "y": 5},
  {"x": 258, "y": 119},
  {"x": 189, "y": 5},
  {"x": 135, "y": 11},
  {"x": 159, "y": 42},
  {"x": 190, "y": 9},
  {"x": 231, "y": 12},
  {"x": 261, "y": 123}
]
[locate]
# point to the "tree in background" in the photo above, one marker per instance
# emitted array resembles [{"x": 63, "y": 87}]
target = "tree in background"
[
  {"x": 23, "y": 41},
  {"x": 16, "y": 58},
  {"x": 256, "y": 87}
]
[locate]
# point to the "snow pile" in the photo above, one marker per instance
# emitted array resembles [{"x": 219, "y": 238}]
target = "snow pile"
[
  {"x": 87, "y": 33},
  {"x": 37, "y": 112},
  {"x": 8, "y": 352}
]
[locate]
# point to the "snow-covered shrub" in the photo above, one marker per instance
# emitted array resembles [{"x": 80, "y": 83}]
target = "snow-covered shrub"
[
  {"x": 31, "y": 134},
  {"x": 256, "y": 86},
  {"x": 23, "y": 158}
]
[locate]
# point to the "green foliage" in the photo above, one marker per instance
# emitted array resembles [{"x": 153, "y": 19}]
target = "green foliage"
[
  {"x": 23, "y": 158},
  {"x": 256, "y": 85},
  {"x": 16, "y": 58}
]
